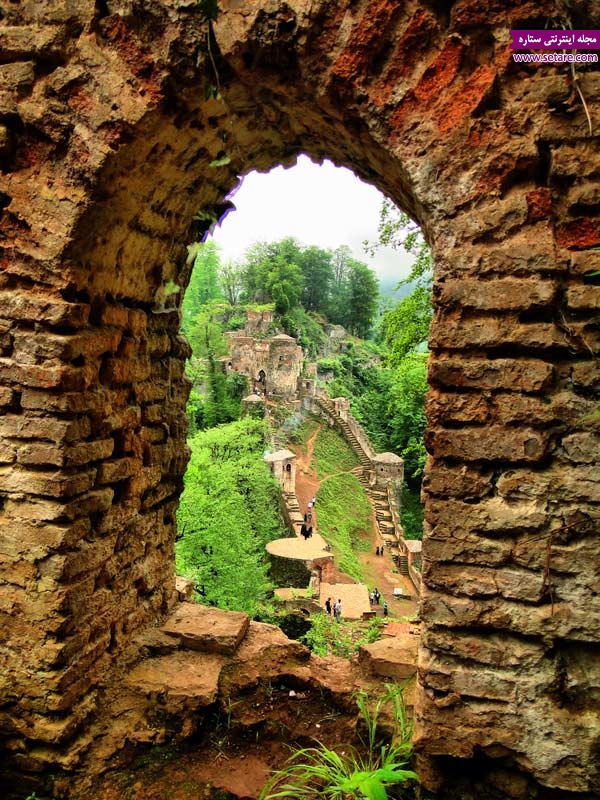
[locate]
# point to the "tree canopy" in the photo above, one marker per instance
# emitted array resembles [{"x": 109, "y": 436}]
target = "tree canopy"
[{"x": 227, "y": 514}]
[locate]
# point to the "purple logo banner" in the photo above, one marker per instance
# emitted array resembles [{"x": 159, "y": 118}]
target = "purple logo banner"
[{"x": 555, "y": 40}]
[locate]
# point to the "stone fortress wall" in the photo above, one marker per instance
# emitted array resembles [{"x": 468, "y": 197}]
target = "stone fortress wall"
[
  {"x": 108, "y": 148},
  {"x": 278, "y": 358}
]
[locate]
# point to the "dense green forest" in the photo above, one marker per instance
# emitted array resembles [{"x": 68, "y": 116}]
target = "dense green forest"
[
  {"x": 229, "y": 495},
  {"x": 228, "y": 513}
]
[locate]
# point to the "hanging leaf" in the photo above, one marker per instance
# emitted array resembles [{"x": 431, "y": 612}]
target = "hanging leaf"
[
  {"x": 221, "y": 161},
  {"x": 211, "y": 92}
]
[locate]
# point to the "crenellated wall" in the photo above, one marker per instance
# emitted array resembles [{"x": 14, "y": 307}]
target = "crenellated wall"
[{"x": 108, "y": 151}]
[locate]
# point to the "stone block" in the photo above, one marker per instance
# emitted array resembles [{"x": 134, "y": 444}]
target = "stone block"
[
  {"x": 393, "y": 657},
  {"x": 493, "y": 649},
  {"x": 568, "y": 483},
  {"x": 116, "y": 316},
  {"x": 20, "y": 538},
  {"x": 184, "y": 588},
  {"x": 183, "y": 680},
  {"x": 456, "y": 481},
  {"x": 527, "y": 375},
  {"x": 490, "y": 443},
  {"x": 117, "y": 470},
  {"x": 8, "y": 453},
  {"x": 585, "y": 374},
  {"x": 560, "y": 408},
  {"x": 495, "y": 295},
  {"x": 582, "y": 448},
  {"x": 98, "y": 400},
  {"x": 89, "y": 557},
  {"x": 180, "y": 347},
  {"x": 582, "y": 262},
  {"x": 50, "y": 376},
  {"x": 122, "y": 370},
  {"x": 165, "y": 490},
  {"x": 463, "y": 547},
  {"x": 153, "y": 414},
  {"x": 467, "y": 407},
  {"x": 44, "y": 453},
  {"x": 492, "y": 515},
  {"x": 17, "y": 76},
  {"x": 529, "y": 251},
  {"x": 48, "y": 345},
  {"x": 208, "y": 629},
  {"x": 571, "y": 620},
  {"x": 25, "y": 427},
  {"x": 151, "y": 391},
  {"x": 472, "y": 681},
  {"x": 118, "y": 516},
  {"x": 6, "y": 396},
  {"x": 457, "y": 330},
  {"x": 143, "y": 478},
  {"x": 158, "y": 344},
  {"x": 475, "y": 581},
  {"x": 138, "y": 321},
  {"x": 23, "y": 41},
  {"x": 584, "y": 297},
  {"x": 49, "y": 484},
  {"x": 39, "y": 306},
  {"x": 127, "y": 417}
]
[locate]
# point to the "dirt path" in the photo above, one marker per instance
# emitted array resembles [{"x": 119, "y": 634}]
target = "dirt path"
[
  {"x": 307, "y": 483},
  {"x": 378, "y": 570}
]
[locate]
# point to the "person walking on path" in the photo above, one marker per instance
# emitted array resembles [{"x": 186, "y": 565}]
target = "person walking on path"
[
  {"x": 372, "y": 598},
  {"x": 377, "y": 595},
  {"x": 337, "y": 610},
  {"x": 385, "y": 609},
  {"x": 328, "y": 605}
]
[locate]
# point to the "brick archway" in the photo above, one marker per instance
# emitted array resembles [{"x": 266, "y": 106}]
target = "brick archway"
[{"x": 110, "y": 150}]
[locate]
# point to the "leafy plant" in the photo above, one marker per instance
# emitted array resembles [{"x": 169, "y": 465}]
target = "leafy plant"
[
  {"x": 316, "y": 772},
  {"x": 327, "y": 637}
]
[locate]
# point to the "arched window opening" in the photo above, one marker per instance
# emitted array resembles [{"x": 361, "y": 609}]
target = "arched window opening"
[{"x": 285, "y": 305}]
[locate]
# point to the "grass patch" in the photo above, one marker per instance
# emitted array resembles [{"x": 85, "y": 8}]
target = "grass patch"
[
  {"x": 328, "y": 637},
  {"x": 302, "y": 433},
  {"x": 332, "y": 454},
  {"x": 344, "y": 518}
]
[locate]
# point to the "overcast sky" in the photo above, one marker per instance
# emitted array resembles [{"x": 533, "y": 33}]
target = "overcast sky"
[{"x": 317, "y": 204}]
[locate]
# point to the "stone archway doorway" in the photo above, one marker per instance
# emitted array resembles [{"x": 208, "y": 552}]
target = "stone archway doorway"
[{"x": 120, "y": 126}]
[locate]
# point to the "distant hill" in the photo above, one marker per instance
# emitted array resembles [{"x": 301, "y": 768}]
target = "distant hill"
[{"x": 387, "y": 288}]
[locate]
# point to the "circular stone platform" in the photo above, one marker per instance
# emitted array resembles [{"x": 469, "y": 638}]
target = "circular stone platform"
[{"x": 297, "y": 547}]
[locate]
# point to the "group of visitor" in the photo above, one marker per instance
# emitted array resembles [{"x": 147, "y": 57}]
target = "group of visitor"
[
  {"x": 336, "y": 608},
  {"x": 375, "y": 597}
]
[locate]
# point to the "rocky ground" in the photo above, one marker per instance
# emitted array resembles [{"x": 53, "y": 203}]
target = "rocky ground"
[{"x": 215, "y": 703}]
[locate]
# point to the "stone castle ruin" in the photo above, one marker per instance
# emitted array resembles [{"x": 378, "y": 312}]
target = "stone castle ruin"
[
  {"x": 272, "y": 365},
  {"x": 112, "y": 139}
]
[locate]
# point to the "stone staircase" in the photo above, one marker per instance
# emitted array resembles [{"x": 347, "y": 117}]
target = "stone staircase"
[
  {"x": 293, "y": 509},
  {"x": 383, "y": 514},
  {"x": 356, "y": 446}
]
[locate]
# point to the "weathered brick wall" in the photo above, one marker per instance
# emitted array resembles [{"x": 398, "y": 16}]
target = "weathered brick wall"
[{"x": 106, "y": 145}]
